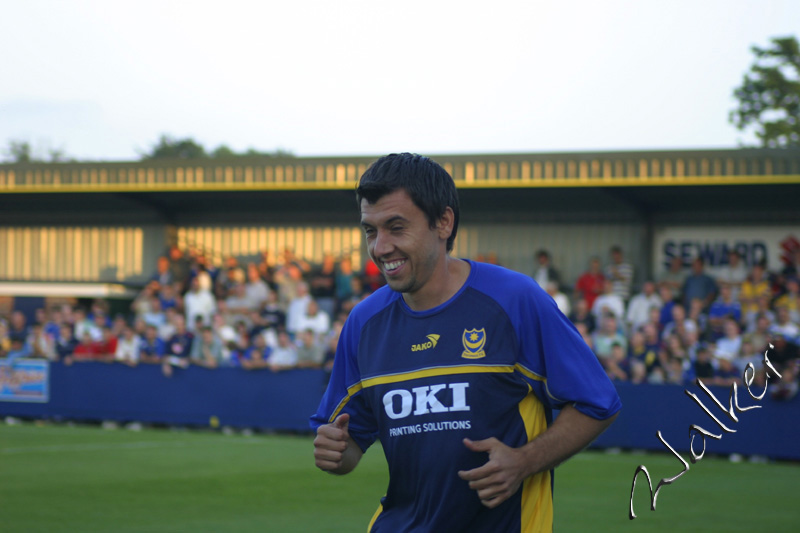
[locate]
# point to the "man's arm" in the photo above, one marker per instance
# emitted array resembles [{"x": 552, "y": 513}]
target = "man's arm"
[
  {"x": 508, "y": 467},
  {"x": 335, "y": 451}
]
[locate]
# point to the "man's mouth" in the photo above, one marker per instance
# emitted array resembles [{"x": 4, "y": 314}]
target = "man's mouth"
[{"x": 392, "y": 266}]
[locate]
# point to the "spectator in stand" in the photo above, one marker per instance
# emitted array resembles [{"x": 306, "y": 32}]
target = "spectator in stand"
[
  {"x": 585, "y": 335},
  {"x": 698, "y": 315},
  {"x": 733, "y": 273},
  {"x": 639, "y": 307},
  {"x": 322, "y": 284},
  {"x": 255, "y": 356},
  {"x": 238, "y": 307},
  {"x": 52, "y": 326},
  {"x": 791, "y": 299},
  {"x": 545, "y": 272},
  {"x": 591, "y": 283},
  {"x": 230, "y": 274},
  {"x": 724, "y": 306},
  {"x": 647, "y": 354},
  {"x": 272, "y": 316},
  {"x": 289, "y": 274},
  {"x": 704, "y": 367},
  {"x": 152, "y": 349},
  {"x": 617, "y": 365},
  {"x": 310, "y": 353},
  {"x": 179, "y": 347},
  {"x": 107, "y": 345},
  {"x": 199, "y": 301},
  {"x": 167, "y": 329},
  {"x": 726, "y": 373},
  {"x": 608, "y": 302},
  {"x": 142, "y": 304},
  {"x": 297, "y": 307},
  {"x": 5, "y": 341},
  {"x": 344, "y": 275},
  {"x": 673, "y": 279},
  {"x": 581, "y": 315},
  {"x": 168, "y": 297},
  {"x": 783, "y": 325},
  {"x": 372, "y": 278},
  {"x": 607, "y": 336},
  {"x": 41, "y": 345},
  {"x": 179, "y": 266},
  {"x": 699, "y": 285},
  {"x": 18, "y": 348},
  {"x": 206, "y": 349},
  {"x": 759, "y": 336},
  {"x": 86, "y": 350},
  {"x": 256, "y": 290},
  {"x": 679, "y": 324},
  {"x": 283, "y": 356},
  {"x": 314, "y": 319},
  {"x": 620, "y": 273},
  {"x": 66, "y": 343},
  {"x": 163, "y": 274},
  {"x": 762, "y": 308},
  {"x": 730, "y": 346},
  {"x": 561, "y": 299},
  {"x": 18, "y": 325},
  {"x": 753, "y": 288},
  {"x": 226, "y": 334},
  {"x": 129, "y": 346},
  {"x": 154, "y": 315},
  {"x": 784, "y": 356}
]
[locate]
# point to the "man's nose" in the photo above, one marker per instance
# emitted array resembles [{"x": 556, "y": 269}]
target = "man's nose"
[{"x": 382, "y": 244}]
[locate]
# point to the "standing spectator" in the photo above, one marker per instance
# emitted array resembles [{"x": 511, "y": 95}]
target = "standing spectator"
[
  {"x": 18, "y": 348},
  {"x": 256, "y": 355},
  {"x": 699, "y": 285},
  {"x": 545, "y": 272},
  {"x": 129, "y": 346},
  {"x": 322, "y": 285},
  {"x": 284, "y": 356},
  {"x": 297, "y": 307},
  {"x": 230, "y": 274},
  {"x": 66, "y": 342},
  {"x": 256, "y": 291},
  {"x": 590, "y": 284},
  {"x": 18, "y": 325},
  {"x": 272, "y": 315},
  {"x": 107, "y": 345},
  {"x": 41, "y": 344},
  {"x": 673, "y": 278},
  {"x": 733, "y": 273},
  {"x": 169, "y": 297},
  {"x": 151, "y": 348},
  {"x": 791, "y": 299},
  {"x": 640, "y": 305},
  {"x": 344, "y": 275},
  {"x": 180, "y": 344},
  {"x": 178, "y": 266},
  {"x": 754, "y": 287},
  {"x": 373, "y": 279},
  {"x": 608, "y": 302},
  {"x": 53, "y": 325},
  {"x": 620, "y": 273},
  {"x": 163, "y": 274},
  {"x": 310, "y": 352},
  {"x": 199, "y": 301},
  {"x": 206, "y": 349}
]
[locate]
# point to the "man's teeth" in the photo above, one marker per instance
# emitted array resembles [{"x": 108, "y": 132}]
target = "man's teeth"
[{"x": 393, "y": 264}]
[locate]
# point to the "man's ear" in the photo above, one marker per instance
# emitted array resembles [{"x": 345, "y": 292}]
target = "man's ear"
[{"x": 445, "y": 223}]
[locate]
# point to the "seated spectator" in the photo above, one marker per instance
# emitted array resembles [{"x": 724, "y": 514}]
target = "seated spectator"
[
  {"x": 344, "y": 275},
  {"x": 725, "y": 306},
  {"x": 585, "y": 335},
  {"x": 86, "y": 350},
  {"x": 226, "y": 334},
  {"x": 163, "y": 274},
  {"x": 283, "y": 356},
  {"x": 238, "y": 306},
  {"x": 309, "y": 351},
  {"x": 199, "y": 301},
  {"x": 256, "y": 290},
  {"x": 561, "y": 299},
  {"x": 581, "y": 315},
  {"x": 726, "y": 374},
  {"x": 762, "y": 308},
  {"x": 753, "y": 289},
  {"x": 608, "y": 302},
  {"x": 729, "y": 346},
  {"x": 698, "y": 315},
  {"x": 646, "y": 347},
  {"x": 679, "y": 324},
  {"x": 784, "y": 356},
  {"x": 699, "y": 285},
  {"x": 617, "y": 365},
  {"x": 783, "y": 324},
  {"x": 256, "y": 356},
  {"x": 297, "y": 308},
  {"x": 142, "y": 304},
  {"x": 666, "y": 308},
  {"x": 791, "y": 299},
  {"x": 168, "y": 329},
  {"x": 128, "y": 347},
  {"x": 703, "y": 366},
  {"x": 591, "y": 283},
  {"x": 314, "y": 319},
  {"x": 759, "y": 336},
  {"x": 206, "y": 349},
  {"x": 179, "y": 347},
  {"x": 152, "y": 348},
  {"x": 639, "y": 307},
  {"x": 169, "y": 298},
  {"x": 18, "y": 325},
  {"x": 272, "y": 315},
  {"x": 66, "y": 342},
  {"x": 230, "y": 275},
  {"x": 52, "y": 326},
  {"x": 18, "y": 348},
  {"x": 606, "y": 337}
]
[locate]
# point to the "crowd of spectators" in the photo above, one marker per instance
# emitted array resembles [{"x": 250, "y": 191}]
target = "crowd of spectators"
[{"x": 282, "y": 312}]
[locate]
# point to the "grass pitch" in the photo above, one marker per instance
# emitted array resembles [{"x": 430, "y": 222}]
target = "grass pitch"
[{"x": 85, "y": 479}]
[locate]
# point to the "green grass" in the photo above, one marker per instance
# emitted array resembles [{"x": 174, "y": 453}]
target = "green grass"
[{"x": 85, "y": 479}]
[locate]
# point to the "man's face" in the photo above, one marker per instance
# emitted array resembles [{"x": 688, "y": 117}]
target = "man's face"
[{"x": 401, "y": 242}]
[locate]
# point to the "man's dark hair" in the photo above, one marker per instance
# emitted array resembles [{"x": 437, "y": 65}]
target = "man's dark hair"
[{"x": 428, "y": 184}]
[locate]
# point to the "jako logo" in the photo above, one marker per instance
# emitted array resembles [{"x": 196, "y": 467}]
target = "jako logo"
[
  {"x": 433, "y": 339},
  {"x": 426, "y": 400}
]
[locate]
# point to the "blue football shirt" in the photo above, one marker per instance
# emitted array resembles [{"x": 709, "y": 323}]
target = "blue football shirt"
[{"x": 492, "y": 361}]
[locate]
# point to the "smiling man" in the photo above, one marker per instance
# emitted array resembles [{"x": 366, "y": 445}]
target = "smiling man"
[{"x": 456, "y": 367}]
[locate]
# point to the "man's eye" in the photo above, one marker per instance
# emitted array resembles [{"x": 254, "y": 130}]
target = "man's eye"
[{"x": 397, "y": 228}]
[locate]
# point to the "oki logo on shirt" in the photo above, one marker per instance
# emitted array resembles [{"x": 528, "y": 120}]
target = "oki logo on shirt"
[{"x": 400, "y": 403}]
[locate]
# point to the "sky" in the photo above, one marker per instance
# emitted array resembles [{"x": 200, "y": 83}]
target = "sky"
[{"x": 103, "y": 80}]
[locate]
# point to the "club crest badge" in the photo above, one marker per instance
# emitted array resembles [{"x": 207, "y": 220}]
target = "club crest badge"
[{"x": 474, "y": 340}]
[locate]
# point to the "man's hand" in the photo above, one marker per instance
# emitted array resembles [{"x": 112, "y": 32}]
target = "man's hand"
[
  {"x": 334, "y": 450},
  {"x": 501, "y": 477}
]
